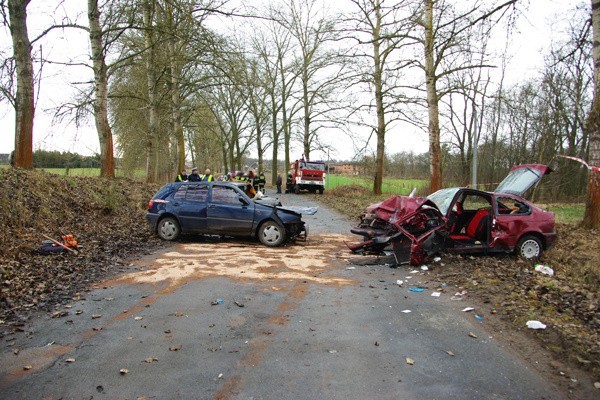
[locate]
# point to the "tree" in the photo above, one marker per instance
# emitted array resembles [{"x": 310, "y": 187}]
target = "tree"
[
  {"x": 381, "y": 29},
  {"x": 107, "y": 167},
  {"x": 591, "y": 218},
  {"x": 443, "y": 40},
  {"x": 24, "y": 100}
]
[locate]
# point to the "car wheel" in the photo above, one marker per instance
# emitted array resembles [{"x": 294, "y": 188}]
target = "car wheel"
[
  {"x": 271, "y": 234},
  {"x": 168, "y": 229},
  {"x": 320, "y": 191},
  {"x": 529, "y": 247},
  {"x": 297, "y": 189}
]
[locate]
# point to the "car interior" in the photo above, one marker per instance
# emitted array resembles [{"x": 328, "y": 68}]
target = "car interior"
[{"x": 469, "y": 219}]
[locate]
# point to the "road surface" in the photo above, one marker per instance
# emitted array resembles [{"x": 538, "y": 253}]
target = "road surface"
[{"x": 230, "y": 319}]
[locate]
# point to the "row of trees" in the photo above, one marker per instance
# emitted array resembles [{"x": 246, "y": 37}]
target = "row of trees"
[
  {"x": 180, "y": 89},
  {"x": 56, "y": 159}
]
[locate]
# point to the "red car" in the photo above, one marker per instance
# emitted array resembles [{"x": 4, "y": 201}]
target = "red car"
[{"x": 460, "y": 220}]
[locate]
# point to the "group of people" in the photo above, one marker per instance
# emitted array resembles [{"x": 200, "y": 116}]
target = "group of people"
[
  {"x": 258, "y": 182},
  {"x": 195, "y": 176}
]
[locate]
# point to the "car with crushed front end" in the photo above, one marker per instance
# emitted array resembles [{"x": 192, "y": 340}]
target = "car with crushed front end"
[
  {"x": 221, "y": 208},
  {"x": 460, "y": 220}
]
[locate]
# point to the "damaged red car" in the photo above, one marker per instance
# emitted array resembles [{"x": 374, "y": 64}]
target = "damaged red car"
[{"x": 460, "y": 220}]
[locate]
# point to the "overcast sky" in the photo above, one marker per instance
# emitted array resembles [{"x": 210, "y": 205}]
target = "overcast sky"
[{"x": 529, "y": 43}]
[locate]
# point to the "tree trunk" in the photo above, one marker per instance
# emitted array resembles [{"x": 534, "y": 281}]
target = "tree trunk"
[
  {"x": 107, "y": 162},
  {"x": 591, "y": 218},
  {"x": 151, "y": 84},
  {"x": 24, "y": 105},
  {"x": 435, "y": 152},
  {"x": 378, "y": 81}
]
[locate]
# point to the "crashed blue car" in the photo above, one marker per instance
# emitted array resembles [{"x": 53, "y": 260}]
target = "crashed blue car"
[{"x": 222, "y": 208}]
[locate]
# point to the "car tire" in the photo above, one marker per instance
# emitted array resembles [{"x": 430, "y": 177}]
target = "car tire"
[
  {"x": 271, "y": 234},
  {"x": 168, "y": 229},
  {"x": 297, "y": 189},
  {"x": 320, "y": 191},
  {"x": 529, "y": 247}
]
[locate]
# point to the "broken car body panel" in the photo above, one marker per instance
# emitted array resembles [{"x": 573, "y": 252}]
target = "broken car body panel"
[{"x": 460, "y": 220}]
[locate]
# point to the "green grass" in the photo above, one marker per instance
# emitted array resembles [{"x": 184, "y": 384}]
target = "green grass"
[
  {"x": 390, "y": 185},
  {"x": 566, "y": 213}
]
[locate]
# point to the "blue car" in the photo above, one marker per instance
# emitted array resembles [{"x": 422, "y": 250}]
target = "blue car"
[{"x": 221, "y": 208}]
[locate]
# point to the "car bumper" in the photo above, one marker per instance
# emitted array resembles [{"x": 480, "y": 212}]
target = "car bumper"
[
  {"x": 152, "y": 220},
  {"x": 550, "y": 239}
]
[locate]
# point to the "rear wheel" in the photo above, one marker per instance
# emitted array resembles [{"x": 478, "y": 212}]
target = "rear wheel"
[
  {"x": 529, "y": 247},
  {"x": 271, "y": 234},
  {"x": 168, "y": 229},
  {"x": 320, "y": 190},
  {"x": 297, "y": 189}
]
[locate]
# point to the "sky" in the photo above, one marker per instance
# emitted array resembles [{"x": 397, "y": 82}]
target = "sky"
[{"x": 528, "y": 44}]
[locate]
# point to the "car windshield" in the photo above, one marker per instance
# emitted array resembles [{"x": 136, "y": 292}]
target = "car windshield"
[{"x": 442, "y": 198}]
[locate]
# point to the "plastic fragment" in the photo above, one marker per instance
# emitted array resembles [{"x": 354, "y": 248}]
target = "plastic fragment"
[
  {"x": 467, "y": 309},
  {"x": 478, "y": 317},
  {"x": 544, "y": 269},
  {"x": 410, "y": 361},
  {"x": 437, "y": 259},
  {"x": 471, "y": 334},
  {"x": 535, "y": 325},
  {"x": 424, "y": 268},
  {"x": 416, "y": 289},
  {"x": 406, "y": 311},
  {"x": 436, "y": 294},
  {"x": 399, "y": 282}
]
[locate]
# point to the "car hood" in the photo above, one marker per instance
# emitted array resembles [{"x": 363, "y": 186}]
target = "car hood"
[
  {"x": 522, "y": 177},
  {"x": 398, "y": 207}
]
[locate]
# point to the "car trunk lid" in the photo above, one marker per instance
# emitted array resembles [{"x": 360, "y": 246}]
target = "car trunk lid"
[{"x": 521, "y": 178}]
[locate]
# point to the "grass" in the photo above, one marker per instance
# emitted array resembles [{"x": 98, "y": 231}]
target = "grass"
[
  {"x": 567, "y": 213},
  {"x": 390, "y": 185}
]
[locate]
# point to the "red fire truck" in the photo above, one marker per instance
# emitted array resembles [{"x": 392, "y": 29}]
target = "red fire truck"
[{"x": 306, "y": 175}]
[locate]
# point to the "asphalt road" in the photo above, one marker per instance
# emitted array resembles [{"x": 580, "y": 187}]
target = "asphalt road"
[{"x": 232, "y": 319}]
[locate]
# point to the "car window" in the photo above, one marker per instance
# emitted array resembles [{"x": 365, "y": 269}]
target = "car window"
[
  {"x": 180, "y": 193},
  {"x": 225, "y": 195},
  {"x": 507, "y": 205},
  {"x": 474, "y": 202},
  {"x": 197, "y": 193}
]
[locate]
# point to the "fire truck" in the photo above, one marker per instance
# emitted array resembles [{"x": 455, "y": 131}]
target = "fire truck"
[{"x": 307, "y": 175}]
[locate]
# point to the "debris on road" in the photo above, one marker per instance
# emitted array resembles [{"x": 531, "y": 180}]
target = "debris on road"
[
  {"x": 467, "y": 309},
  {"x": 535, "y": 325},
  {"x": 416, "y": 289},
  {"x": 471, "y": 334},
  {"x": 410, "y": 361},
  {"x": 436, "y": 294},
  {"x": 216, "y": 302}
]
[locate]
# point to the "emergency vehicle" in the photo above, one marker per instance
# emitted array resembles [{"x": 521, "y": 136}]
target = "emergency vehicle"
[{"x": 307, "y": 175}]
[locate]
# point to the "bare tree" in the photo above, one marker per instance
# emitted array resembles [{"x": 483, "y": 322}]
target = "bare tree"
[
  {"x": 443, "y": 40},
  {"x": 24, "y": 99},
  {"x": 591, "y": 217},
  {"x": 380, "y": 28},
  {"x": 107, "y": 162}
]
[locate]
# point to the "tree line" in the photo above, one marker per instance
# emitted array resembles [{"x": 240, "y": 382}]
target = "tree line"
[{"x": 169, "y": 86}]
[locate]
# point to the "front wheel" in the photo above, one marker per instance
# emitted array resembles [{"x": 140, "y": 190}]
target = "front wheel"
[
  {"x": 271, "y": 234},
  {"x": 168, "y": 229},
  {"x": 529, "y": 247}
]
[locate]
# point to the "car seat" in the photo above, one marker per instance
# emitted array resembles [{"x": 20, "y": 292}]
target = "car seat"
[{"x": 476, "y": 228}]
